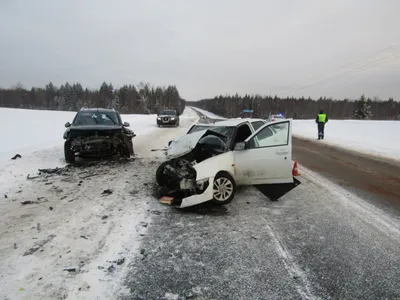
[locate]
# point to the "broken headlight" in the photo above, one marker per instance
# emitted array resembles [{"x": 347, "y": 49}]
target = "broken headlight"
[{"x": 202, "y": 184}]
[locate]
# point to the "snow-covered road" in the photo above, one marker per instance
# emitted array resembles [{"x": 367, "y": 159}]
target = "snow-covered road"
[{"x": 320, "y": 241}]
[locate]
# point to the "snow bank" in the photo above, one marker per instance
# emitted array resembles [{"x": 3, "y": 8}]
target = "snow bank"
[
  {"x": 208, "y": 114},
  {"x": 371, "y": 137}
]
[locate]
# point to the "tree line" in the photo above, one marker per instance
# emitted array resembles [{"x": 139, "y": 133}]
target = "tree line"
[
  {"x": 301, "y": 108},
  {"x": 144, "y": 99}
]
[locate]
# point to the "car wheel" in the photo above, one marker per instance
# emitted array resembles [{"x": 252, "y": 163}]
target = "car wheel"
[
  {"x": 224, "y": 188},
  {"x": 68, "y": 153},
  {"x": 160, "y": 179}
]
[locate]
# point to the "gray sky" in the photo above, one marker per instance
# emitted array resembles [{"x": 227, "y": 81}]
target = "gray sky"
[{"x": 206, "y": 47}]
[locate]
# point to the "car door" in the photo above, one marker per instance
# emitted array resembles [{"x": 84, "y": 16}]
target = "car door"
[{"x": 267, "y": 155}]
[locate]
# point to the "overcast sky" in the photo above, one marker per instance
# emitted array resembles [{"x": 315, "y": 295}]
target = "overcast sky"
[{"x": 206, "y": 47}]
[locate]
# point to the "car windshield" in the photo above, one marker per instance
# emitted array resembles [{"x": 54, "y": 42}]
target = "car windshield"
[
  {"x": 225, "y": 130},
  {"x": 96, "y": 118},
  {"x": 168, "y": 113}
]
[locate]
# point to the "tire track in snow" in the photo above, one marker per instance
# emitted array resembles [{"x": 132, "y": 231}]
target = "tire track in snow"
[{"x": 290, "y": 264}]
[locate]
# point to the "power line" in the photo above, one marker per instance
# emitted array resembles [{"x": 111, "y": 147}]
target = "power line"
[{"x": 365, "y": 66}]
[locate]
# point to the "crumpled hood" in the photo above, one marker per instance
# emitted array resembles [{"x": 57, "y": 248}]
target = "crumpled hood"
[{"x": 184, "y": 144}]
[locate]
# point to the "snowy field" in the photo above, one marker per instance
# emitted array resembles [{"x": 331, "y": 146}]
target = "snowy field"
[{"x": 379, "y": 138}]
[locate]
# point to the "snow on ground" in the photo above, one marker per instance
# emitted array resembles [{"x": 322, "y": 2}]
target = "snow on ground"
[
  {"x": 209, "y": 114},
  {"x": 72, "y": 223},
  {"x": 379, "y": 138}
]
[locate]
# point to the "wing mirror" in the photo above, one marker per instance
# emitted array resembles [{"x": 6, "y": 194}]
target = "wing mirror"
[
  {"x": 68, "y": 124},
  {"x": 126, "y": 124},
  {"x": 240, "y": 146}
]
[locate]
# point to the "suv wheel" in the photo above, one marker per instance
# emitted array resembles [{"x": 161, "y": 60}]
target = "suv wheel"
[{"x": 68, "y": 153}]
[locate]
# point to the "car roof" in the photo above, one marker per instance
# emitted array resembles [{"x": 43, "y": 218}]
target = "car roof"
[
  {"x": 98, "y": 109},
  {"x": 229, "y": 122}
]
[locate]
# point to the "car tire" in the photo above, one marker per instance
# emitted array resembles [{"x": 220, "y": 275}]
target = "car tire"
[
  {"x": 227, "y": 183},
  {"x": 159, "y": 174},
  {"x": 68, "y": 153}
]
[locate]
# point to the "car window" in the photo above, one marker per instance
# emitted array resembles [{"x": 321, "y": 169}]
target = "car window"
[
  {"x": 257, "y": 124},
  {"x": 96, "y": 118},
  {"x": 271, "y": 136},
  {"x": 168, "y": 112}
]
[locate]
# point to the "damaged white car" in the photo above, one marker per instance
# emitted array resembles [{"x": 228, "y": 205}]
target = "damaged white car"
[{"x": 211, "y": 160}]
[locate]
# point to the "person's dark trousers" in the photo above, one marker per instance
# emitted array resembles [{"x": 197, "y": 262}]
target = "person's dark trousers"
[{"x": 321, "y": 128}]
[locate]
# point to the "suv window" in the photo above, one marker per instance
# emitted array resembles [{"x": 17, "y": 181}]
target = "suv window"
[
  {"x": 257, "y": 124},
  {"x": 168, "y": 112},
  {"x": 96, "y": 118}
]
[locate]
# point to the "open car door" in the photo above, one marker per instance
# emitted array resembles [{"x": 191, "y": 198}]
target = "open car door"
[{"x": 265, "y": 160}]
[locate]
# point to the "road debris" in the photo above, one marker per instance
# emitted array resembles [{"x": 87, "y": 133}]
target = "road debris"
[
  {"x": 107, "y": 192},
  {"x": 70, "y": 269},
  {"x": 16, "y": 156},
  {"x": 39, "y": 245},
  {"x": 104, "y": 217},
  {"x": 29, "y": 202}
]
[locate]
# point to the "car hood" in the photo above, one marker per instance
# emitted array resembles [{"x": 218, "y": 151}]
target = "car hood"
[
  {"x": 186, "y": 143},
  {"x": 165, "y": 116},
  {"x": 95, "y": 128}
]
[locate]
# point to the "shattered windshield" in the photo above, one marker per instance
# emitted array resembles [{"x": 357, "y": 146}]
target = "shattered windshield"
[
  {"x": 168, "y": 113},
  {"x": 225, "y": 130},
  {"x": 96, "y": 118}
]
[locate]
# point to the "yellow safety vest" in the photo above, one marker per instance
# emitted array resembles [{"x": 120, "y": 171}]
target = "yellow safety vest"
[{"x": 322, "y": 118}]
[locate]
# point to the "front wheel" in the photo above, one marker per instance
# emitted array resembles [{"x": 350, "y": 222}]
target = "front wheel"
[
  {"x": 224, "y": 188},
  {"x": 68, "y": 153}
]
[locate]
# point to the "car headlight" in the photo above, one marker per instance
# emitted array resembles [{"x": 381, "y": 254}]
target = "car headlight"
[
  {"x": 158, "y": 118},
  {"x": 202, "y": 181},
  {"x": 172, "y": 118}
]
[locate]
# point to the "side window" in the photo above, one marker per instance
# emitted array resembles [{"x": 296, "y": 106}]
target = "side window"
[
  {"x": 257, "y": 124},
  {"x": 271, "y": 136},
  {"x": 243, "y": 132}
]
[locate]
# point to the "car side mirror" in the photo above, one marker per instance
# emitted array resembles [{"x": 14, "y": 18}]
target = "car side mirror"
[
  {"x": 126, "y": 124},
  {"x": 240, "y": 146},
  {"x": 68, "y": 124}
]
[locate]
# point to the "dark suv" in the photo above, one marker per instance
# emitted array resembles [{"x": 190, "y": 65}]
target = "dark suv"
[
  {"x": 97, "y": 132},
  {"x": 168, "y": 117}
]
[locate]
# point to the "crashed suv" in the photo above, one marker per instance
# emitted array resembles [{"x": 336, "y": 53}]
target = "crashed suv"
[
  {"x": 211, "y": 160},
  {"x": 97, "y": 132}
]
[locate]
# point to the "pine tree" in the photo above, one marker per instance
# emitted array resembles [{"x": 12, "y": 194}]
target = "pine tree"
[{"x": 364, "y": 109}]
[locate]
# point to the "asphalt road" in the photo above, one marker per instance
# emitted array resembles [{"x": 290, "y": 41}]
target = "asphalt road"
[{"x": 322, "y": 240}]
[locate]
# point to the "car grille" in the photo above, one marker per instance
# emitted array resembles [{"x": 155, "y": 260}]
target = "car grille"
[{"x": 166, "y": 119}]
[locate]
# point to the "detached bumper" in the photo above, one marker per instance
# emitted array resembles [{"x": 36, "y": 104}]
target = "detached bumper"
[{"x": 180, "y": 200}]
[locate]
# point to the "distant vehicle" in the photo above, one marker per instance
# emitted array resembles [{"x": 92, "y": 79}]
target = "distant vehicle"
[
  {"x": 168, "y": 117},
  {"x": 272, "y": 118},
  {"x": 211, "y": 160},
  {"x": 97, "y": 132}
]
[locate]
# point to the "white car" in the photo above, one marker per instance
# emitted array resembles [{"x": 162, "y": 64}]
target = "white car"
[{"x": 211, "y": 160}]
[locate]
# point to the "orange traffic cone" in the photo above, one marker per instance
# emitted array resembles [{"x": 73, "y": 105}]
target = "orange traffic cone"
[{"x": 295, "y": 171}]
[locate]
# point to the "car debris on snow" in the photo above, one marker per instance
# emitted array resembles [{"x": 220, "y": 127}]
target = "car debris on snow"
[
  {"x": 39, "y": 245},
  {"x": 107, "y": 192},
  {"x": 70, "y": 269},
  {"x": 26, "y": 202},
  {"x": 16, "y": 156}
]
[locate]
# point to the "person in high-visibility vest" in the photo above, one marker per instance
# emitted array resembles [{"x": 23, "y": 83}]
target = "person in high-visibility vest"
[{"x": 321, "y": 120}]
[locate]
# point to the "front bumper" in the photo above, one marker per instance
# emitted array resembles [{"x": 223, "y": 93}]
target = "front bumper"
[
  {"x": 181, "y": 199},
  {"x": 166, "y": 121}
]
